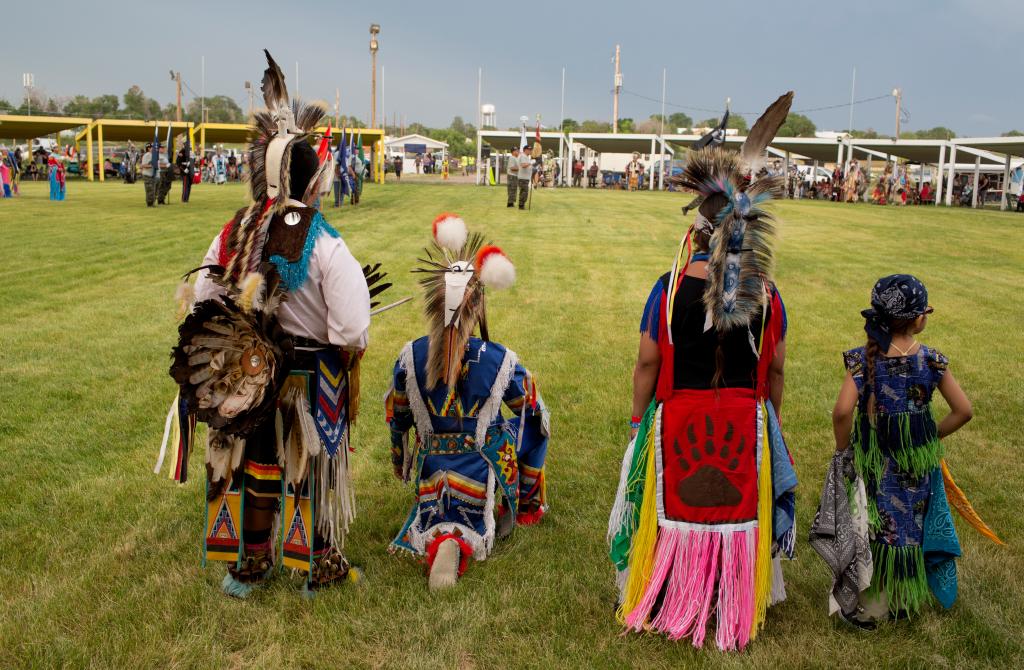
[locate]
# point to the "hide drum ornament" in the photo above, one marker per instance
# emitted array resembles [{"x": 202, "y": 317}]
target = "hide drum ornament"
[{"x": 254, "y": 360}]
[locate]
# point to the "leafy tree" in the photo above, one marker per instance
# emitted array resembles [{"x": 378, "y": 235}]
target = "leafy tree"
[
  {"x": 869, "y": 134},
  {"x": 936, "y": 133},
  {"x": 678, "y": 120},
  {"x": 458, "y": 125},
  {"x": 104, "y": 105},
  {"x": 138, "y": 106},
  {"x": 5, "y": 106},
  {"x": 797, "y": 125},
  {"x": 1008, "y": 133},
  {"x": 219, "y": 109},
  {"x": 591, "y": 126},
  {"x": 627, "y": 125},
  {"x": 735, "y": 121},
  {"x": 570, "y": 125}
]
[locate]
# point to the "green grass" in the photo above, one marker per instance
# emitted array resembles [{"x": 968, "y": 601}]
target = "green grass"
[{"x": 99, "y": 558}]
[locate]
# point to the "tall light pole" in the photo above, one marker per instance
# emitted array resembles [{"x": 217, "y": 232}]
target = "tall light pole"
[
  {"x": 374, "y": 45},
  {"x": 618, "y": 87}
]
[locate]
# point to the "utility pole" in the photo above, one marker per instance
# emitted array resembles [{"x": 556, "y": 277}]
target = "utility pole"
[
  {"x": 176, "y": 78},
  {"x": 374, "y": 45},
  {"x": 479, "y": 90},
  {"x": 618, "y": 88},
  {"x": 898, "y": 94}
]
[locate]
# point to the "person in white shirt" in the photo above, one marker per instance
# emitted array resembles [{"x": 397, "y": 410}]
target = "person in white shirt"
[
  {"x": 280, "y": 283},
  {"x": 525, "y": 175},
  {"x": 513, "y": 174}
]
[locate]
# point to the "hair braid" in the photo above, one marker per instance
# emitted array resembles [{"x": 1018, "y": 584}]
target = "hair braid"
[{"x": 871, "y": 352}]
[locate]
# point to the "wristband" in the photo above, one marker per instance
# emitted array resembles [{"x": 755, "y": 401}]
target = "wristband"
[{"x": 634, "y": 422}]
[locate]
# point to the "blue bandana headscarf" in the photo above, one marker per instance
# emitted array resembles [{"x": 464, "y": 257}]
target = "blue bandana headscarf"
[{"x": 893, "y": 298}]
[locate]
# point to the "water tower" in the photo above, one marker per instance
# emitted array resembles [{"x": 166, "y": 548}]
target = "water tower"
[{"x": 487, "y": 115}]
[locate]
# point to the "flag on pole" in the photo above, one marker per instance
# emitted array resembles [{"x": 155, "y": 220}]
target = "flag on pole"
[
  {"x": 522, "y": 136},
  {"x": 536, "y": 153}
]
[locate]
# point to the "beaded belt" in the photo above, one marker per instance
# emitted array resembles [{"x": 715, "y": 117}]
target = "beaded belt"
[{"x": 451, "y": 444}]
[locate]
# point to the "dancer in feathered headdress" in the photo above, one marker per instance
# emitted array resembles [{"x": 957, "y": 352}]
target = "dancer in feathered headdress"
[
  {"x": 467, "y": 461},
  {"x": 705, "y": 494},
  {"x": 268, "y": 359}
]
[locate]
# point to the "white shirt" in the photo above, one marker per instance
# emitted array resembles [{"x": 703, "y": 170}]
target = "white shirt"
[
  {"x": 332, "y": 305},
  {"x": 525, "y": 165}
]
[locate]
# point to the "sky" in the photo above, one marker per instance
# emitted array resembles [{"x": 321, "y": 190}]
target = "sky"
[{"x": 958, "y": 62}]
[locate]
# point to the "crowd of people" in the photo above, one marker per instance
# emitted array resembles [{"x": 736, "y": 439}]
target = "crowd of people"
[{"x": 705, "y": 511}]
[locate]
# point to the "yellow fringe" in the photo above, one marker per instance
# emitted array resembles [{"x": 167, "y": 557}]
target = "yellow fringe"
[
  {"x": 645, "y": 539},
  {"x": 175, "y": 443},
  {"x": 958, "y": 499},
  {"x": 763, "y": 560}
]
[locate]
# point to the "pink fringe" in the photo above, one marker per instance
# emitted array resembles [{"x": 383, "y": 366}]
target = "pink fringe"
[
  {"x": 668, "y": 541},
  {"x": 693, "y": 563}
]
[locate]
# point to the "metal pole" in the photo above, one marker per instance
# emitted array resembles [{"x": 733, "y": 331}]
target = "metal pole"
[
  {"x": 899, "y": 95},
  {"x": 479, "y": 99},
  {"x": 297, "y": 94},
  {"x": 650, "y": 170},
  {"x": 853, "y": 89},
  {"x": 561, "y": 113},
  {"x": 941, "y": 175},
  {"x": 1006, "y": 184},
  {"x": 373, "y": 89},
  {"x": 664, "y": 74},
  {"x": 974, "y": 189},
  {"x": 479, "y": 154},
  {"x": 952, "y": 175},
  {"x": 615, "y": 97}
]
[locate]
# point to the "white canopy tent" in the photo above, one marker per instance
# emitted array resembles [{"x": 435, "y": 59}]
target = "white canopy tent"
[
  {"x": 625, "y": 143},
  {"x": 415, "y": 144}
]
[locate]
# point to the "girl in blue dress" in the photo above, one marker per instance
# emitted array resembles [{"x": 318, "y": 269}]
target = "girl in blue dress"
[{"x": 884, "y": 417}]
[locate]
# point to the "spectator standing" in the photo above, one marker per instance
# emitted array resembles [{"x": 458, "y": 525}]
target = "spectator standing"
[
  {"x": 398, "y": 167},
  {"x": 513, "y": 177},
  {"x": 577, "y": 172},
  {"x": 592, "y": 175},
  {"x": 525, "y": 175}
]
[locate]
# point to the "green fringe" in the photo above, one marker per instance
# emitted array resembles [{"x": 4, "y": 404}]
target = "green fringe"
[
  {"x": 635, "y": 481},
  {"x": 917, "y": 460},
  {"x": 904, "y": 592}
]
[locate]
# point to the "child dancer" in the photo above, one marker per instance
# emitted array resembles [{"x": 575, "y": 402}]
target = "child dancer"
[{"x": 903, "y": 545}]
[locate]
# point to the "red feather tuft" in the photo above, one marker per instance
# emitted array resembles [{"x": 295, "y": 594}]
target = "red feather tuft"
[
  {"x": 484, "y": 253},
  {"x": 441, "y": 217}
]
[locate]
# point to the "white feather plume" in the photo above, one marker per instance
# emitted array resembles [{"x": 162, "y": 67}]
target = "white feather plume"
[
  {"x": 451, "y": 233},
  {"x": 497, "y": 272}
]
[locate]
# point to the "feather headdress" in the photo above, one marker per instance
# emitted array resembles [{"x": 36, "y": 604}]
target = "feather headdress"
[
  {"x": 458, "y": 266},
  {"x": 275, "y": 132},
  {"x": 742, "y": 233}
]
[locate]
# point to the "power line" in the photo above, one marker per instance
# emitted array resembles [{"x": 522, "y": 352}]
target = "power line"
[{"x": 755, "y": 114}]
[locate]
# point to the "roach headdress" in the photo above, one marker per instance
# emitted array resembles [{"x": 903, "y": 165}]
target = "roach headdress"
[
  {"x": 279, "y": 136},
  {"x": 458, "y": 267},
  {"x": 742, "y": 233}
]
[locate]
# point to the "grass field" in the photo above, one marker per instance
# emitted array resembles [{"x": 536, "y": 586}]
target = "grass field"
[{"x": 99, "y": 558}]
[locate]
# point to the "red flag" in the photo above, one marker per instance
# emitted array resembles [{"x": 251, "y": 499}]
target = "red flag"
[{"x": 325, "y": 146}]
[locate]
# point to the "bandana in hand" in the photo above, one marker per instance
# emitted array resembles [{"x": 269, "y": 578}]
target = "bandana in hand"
[{"x": 893, "y": 298}]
